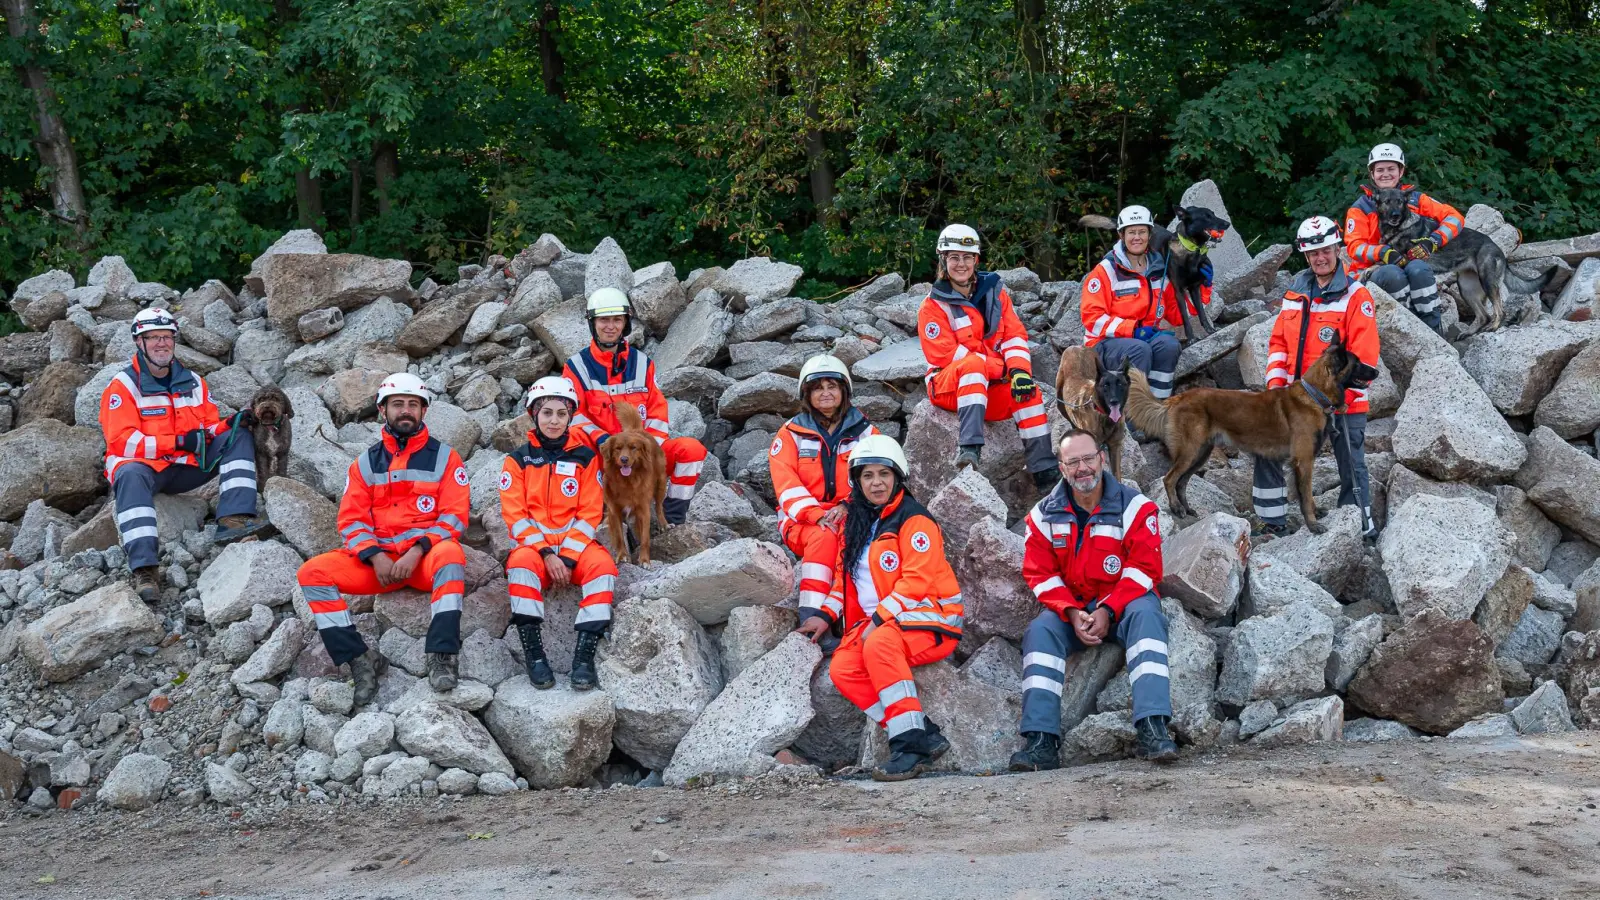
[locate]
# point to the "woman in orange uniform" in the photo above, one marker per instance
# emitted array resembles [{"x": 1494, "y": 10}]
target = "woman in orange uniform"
[
  {"x": 551, "y": 499},
  {"x": 811, "y": 477},
  {"x": 897, "y": 593}
]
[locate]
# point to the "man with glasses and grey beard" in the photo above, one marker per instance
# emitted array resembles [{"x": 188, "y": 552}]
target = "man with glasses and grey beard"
[{"x": 1093, "y": 558}]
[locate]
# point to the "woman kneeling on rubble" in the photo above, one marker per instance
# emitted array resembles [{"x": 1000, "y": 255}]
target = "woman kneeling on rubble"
[{"x": 900, "y": 604}]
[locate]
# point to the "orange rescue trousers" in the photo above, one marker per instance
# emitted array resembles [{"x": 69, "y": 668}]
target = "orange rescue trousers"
[
  {"x": 875, "y": 674},
  {"x": 818, "y": 549},
  {"x": 595, "y": 575},
  {"x": 325, "y": 578}
]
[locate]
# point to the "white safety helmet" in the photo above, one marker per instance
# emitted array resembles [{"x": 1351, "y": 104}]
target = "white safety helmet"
[
  {"x": 824, "y": 366},
  {"x": 1386, "y": 153},
  {"x": 404, "y": 384},
  {"x": 880, "y": 449},
  {"x": 1134, "y": 215},
  {"x": 609, "y": 302},
  {"x": 1315, "y": 233},
  {"x": 958, "y": 237},
  {"x": 154, "y": 319},
  {"x": 550, "y": 386}
]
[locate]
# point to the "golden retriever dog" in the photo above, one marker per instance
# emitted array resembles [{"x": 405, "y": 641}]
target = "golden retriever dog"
[{"x": 635, "y": 472}]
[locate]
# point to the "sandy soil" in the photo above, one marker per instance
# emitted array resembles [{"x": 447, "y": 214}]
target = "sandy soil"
[{"x": 1513, "y": 817}]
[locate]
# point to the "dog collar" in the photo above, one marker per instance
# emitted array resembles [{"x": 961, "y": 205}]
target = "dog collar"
[
  {"x": 1316, "y": 395},
  {"x": 1191, "y": 246}
]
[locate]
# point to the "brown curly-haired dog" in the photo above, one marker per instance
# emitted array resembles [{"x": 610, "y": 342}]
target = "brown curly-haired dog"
[{"x": 272, "y": 411}]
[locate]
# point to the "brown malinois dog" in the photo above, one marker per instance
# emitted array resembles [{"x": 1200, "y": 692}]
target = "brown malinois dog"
[
  {"x": 1092, "y": 400},
  {"x": 1281, "y": 423}
]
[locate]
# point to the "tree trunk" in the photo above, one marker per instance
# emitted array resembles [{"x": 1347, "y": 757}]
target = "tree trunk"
[
  {"x": 308, "y": 197},
  {"x": 1030, "y": 16},
  {"x": 385, "y": 169},
  {"x": 355, "y": 191},
  {"x": 51, "y": 140},
  {"x": 551, "y": 65}
]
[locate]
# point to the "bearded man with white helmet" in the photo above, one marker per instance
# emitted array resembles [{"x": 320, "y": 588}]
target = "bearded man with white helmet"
[
  {"x": 1323, "y": 304},
  {"x": 552, "y": 503},
  {"x": 611, "y": 371},
  {"x": 1403, "y": 272},
  {"x": 401, "y": 518},
  {"x": 164, "y": 435},
  {"x": 979, "y": 366}
]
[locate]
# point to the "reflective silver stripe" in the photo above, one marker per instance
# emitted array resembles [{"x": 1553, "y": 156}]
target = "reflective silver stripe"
[
  {"x": 930, "y": 618},
  {"x": 521, "y": 525},
  {"x": 688, "y": 469},
  {"x": 1047, "y": 660},
  {"x": 1049, "y": 584},
  {"x": 602, "y": 584},
  {"x": 447, "y": 603},
  {"x": 522, "y": 606},
  {"x": 875, "y": 713},
  {"x": 596, "y": 612},
  {"x": 1143, "y": 645},
  {"x": 340, "y": 619},
  {"x": 356, "y": 540},
  {"x": 584, "y": 528},
  {"x": 319, "y": 592},
  {"x": 354, "y": 527},
  {"x": 449, "y": 520},
  {"x": 449, "y": 573},
  {"x": 137, "y": 512},
  {"x": 896, "y": 692},
  {"x": 134, "y": 534},
  {"x": 524, "y": 578},
  {"x": 235, "y": 484},
  {"x": 574, "y": 544},
  {"x": 811, "y": 571},
  {"x": 680, "y": 491},
  {"x": 1043, "y": 683},
  {"x": 906, "y": 721},
  {"x": 238, "y": 465},
  {"x": 1265, "y": 493},
  {"x": 813, "y": 600},
  {"x": 1149, "y": 668},
  {"x": 1110, "y": 531},
  {"x": 1135, "y": 508},
  {"x": 1138, "y": 577},
  {"x": 655, "y": 425}
]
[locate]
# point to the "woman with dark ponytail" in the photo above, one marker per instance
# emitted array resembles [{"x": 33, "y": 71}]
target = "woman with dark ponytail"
[{"x": 900, "y": 604}]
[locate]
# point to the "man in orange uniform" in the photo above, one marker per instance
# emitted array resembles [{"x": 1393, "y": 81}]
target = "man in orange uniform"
[
  {"x": 894, "y": 583},
  {"x": 1127, "y": 299},
  {"x": 164, "y": 436},
  {"x": 977, "y": 353},
  {"x": 551, "y": 499},
  {"x": 611, "y": 371},
  {"x": 1322, "y": 304},
  {"x": 1402, "y": 272},
  {"x": 404, "y": 508},
  {"x": 811, "y": 475}
]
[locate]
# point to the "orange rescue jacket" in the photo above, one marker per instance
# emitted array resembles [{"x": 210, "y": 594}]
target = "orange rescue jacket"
[
  {"x": 913, "y": 580},
  {"x": 552, "y": 501},
  {"x": 399, "y": 495},
  {"x": 811, "y": 467},
  {"x": 142, "y": 421},
  {"x": 1363, "y": 239},
  {"x": 603, "y": 377},
  {"x": 1116, "y": 299},
  {"x": 951, "y": 327},
  {"x": 1310, "y": 319}
]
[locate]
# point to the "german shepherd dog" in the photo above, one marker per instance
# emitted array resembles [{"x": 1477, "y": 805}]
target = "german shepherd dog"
[
  {"x": 272, "y": 433},
  {"x": 1092, "y": 400},
  {"x": 1480, "y": 265},
  {"x": 635, "y": 471},
  {"x": 1202, "y": 228},
  {"x": 1281, "y": 423}
]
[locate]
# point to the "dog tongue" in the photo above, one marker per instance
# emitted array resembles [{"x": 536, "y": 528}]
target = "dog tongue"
[
  {"x": 626, "y": 471},
  {"x": 1115, "y": 414}
]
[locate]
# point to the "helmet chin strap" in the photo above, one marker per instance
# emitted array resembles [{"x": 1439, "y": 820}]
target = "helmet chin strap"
[{"x": 146, "y": 364}]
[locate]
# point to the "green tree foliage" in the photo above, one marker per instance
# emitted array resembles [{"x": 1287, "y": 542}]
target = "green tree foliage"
[{"x": 840, "y": 134}]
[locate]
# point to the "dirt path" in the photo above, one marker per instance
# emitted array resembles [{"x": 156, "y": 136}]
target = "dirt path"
[{"x": 1505, "y": 818}]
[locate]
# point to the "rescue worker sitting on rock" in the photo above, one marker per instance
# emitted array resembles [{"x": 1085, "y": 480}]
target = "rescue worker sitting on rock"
[
  {"x": 552, "y": 503},
  {"x": 404, "y": 508},
  {"x": 163, "y": 435},
  {"x": 1127, "y": 299},
  {"x": 898, "y": 596},
  {"x": 979, "y": 366},
  {"x": 1402, "y": 272},
  {"x": 1322, "y": 304},
  {"x": 610, "y": 371},
  {"x": 811, "y": 478},
  {"x": 1093, "y": 558}
]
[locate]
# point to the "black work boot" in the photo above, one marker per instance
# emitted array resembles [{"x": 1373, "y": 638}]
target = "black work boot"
[
  {"x": 533, "y": 656},
  {"x": 968, "y": 455},
  {"x": 231, "y": 529},
  {"x": 1155, "y": 744},
  {"x": 364, "y": 672},
  {"x": 583, "y": 677},
  {"x": 147, "y": 584},
  {"x": 906, "y": 759},
  {"x": 1042, "y": 753},
  {"x": 934, "y": 743},
  {"x": 442, "y": 672}
]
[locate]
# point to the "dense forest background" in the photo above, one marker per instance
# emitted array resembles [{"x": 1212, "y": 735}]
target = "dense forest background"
[{"x": 186, "y": 135}]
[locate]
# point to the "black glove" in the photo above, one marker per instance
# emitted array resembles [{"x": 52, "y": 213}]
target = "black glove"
[
  {"x": 192, "y": 441},
  {"x": 1022, "y": 386},
  {"x": 247, "y": 418},
  {"x": 1388, "y": 256},
  {"x": 1422, "y": 248}
]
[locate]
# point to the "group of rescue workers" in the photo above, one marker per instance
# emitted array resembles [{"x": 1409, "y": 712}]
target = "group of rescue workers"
[{"x": 875, "y": 587}]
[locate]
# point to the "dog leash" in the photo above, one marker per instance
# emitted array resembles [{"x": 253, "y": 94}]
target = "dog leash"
[{"x": 210, "y": 465}]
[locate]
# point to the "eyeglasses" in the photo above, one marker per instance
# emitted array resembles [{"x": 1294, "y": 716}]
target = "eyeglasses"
[
  {"x": 162, "y": 337},
  {"x": 1080, "y": 462}
]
